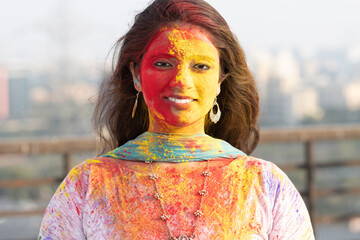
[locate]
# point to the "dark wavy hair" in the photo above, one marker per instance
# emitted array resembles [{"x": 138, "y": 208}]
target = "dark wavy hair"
[{"x": 238, "y": 99}]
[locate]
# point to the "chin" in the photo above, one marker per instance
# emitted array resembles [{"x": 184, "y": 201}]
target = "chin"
[{"x": 179, "y": 122}]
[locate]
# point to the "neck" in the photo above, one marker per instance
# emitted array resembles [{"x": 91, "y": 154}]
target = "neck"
[{"x": 160, "y": 126}]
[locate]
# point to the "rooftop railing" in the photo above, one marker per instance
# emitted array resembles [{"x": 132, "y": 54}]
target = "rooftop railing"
[
  {"x": 304, "y": 136},
  {"x": 308, "y": 137}
]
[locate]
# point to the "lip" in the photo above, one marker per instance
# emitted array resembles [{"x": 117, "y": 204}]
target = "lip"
[{"x": 180, "y": 102}]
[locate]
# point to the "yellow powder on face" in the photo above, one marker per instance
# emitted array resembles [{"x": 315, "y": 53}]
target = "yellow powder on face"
[
  {"x": 191, "y": 50},
  {"x": 180, "y": 43}
]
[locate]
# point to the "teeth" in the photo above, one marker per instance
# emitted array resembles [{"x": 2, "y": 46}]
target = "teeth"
[{"x": 181, "y": 101}]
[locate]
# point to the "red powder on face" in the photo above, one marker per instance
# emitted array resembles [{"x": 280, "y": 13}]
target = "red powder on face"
[{"x": 180, "y": 77}]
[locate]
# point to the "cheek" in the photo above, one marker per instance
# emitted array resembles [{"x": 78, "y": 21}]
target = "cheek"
[
  {"x": 208, "y": 86},
  {"x": 149, "y": 80},
  {"x": 153, "y": 85},
  {"x": 148, "y": 86}
]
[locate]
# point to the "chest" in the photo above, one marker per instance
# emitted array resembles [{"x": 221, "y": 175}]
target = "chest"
[{"x": 125, "y": 204}]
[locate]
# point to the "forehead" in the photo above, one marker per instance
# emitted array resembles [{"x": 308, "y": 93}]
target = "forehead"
[{"x": 179, "y": 37}]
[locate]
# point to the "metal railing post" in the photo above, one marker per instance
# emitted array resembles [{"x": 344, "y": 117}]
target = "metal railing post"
[
  {"x": 67, "y": 159},
  {"x": 309, "y": 156}
]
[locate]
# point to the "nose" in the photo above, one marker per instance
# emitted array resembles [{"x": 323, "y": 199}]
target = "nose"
[{"x": 183, "y": 78}]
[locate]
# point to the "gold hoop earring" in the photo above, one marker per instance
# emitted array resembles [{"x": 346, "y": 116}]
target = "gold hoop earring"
[
  {"x": 135, "y": 105},
  {"x": 215, "y": 114}
]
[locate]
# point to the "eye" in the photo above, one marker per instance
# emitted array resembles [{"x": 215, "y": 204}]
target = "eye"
[
  {"x": 162, "y": 64},
  {"x": 201, "y": 66}
]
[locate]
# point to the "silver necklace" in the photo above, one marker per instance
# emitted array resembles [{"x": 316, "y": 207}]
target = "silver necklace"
[{"x": 165, "y": 216}]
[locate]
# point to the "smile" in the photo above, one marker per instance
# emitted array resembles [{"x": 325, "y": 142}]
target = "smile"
[{"x": 180, "y": 100}]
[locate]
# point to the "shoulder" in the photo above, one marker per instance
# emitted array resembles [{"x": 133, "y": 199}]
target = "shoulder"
[
  {"x": 266, "y": 173},
  {"x": 257, "y": 165},
  {"x": 95, "y": 163},
  {"x": 83, "y": 172}
]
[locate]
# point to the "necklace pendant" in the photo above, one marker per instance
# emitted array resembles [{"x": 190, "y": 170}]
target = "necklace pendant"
[{"x": 183, "y": 237}]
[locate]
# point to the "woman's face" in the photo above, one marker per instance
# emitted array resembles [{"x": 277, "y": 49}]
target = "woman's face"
[{"x": 179, "y": 76}]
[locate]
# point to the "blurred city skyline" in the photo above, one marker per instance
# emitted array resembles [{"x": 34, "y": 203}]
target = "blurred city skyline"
[
  {"x": 305, "y": 57},
  {"x": 34, "y": 29}
]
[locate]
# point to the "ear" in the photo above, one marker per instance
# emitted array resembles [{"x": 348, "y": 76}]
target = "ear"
[
  {"x": 221, "y": 79},
  {"x": 218, "y": 89},
  {"x": 136, "y": 76}
]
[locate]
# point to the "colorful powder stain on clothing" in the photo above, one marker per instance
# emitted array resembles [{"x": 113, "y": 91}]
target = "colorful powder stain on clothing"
[
  {"x": 174, "y": 148},
  {"x": 112, "y": 198}
]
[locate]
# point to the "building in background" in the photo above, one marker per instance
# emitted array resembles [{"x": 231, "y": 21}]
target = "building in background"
[
  {"x": 4, "y": 94},
  {"x": 19, "y": 95}
]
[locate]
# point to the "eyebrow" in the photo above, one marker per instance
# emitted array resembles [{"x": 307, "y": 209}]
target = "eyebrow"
[
  {"x": 197, "y": 57},
  {"x": 164, "y": 52},
  {"x": 160, "y": 55},
  {"x": 207, "y": 58}
]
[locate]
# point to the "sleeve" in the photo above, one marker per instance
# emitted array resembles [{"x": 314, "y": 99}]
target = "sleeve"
[
  {"x": 63, "y": 216},
  {"x": 290, "y": 216}
]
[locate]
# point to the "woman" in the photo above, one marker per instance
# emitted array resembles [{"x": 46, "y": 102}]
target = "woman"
[{"x": 170, "y": 176}]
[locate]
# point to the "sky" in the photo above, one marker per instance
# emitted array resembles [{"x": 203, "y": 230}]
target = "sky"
[{"x": 39, "y": 29}]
